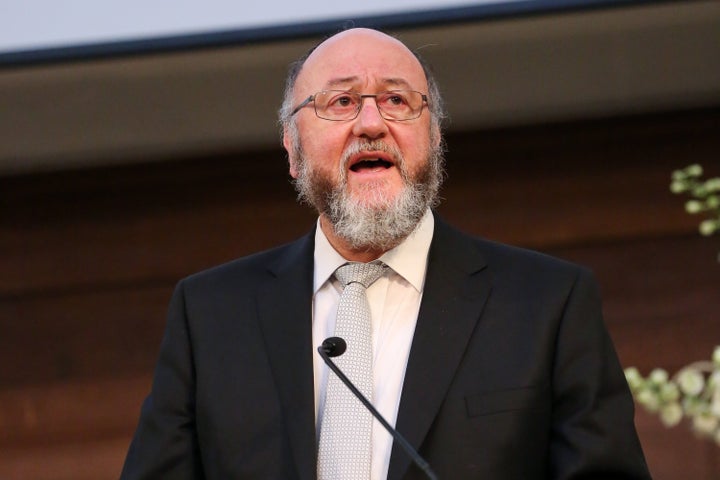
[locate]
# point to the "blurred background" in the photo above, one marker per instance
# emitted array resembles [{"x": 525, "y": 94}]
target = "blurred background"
[{"x": 129, "y": 163}]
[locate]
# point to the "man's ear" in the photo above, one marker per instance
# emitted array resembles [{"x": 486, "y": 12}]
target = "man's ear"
[
  {"x": 437, "y": 135},
  {"x": 290, "y": 148}
]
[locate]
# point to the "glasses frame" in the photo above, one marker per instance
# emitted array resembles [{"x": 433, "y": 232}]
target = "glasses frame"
[{"x": 362, "y": 96}]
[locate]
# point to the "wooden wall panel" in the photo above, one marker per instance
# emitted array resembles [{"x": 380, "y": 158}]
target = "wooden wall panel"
[
  {"x": 73, "y": 411},
  {"x": 89, "y": 259},
  {"x": 77, "y": 229},
  {"x": 81, "y": 335},
  {"x": 661, "y": 297},
  {"x": 93, "y": 460},
  {"x": 676, "y": 453}
]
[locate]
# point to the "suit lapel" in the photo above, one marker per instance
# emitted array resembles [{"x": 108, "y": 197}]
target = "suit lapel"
[
  {"x": 456, "y": 288},
  {"x": 284, "y": 309}
]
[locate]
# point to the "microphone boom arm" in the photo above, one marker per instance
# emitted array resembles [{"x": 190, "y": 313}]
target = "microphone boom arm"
[{"x": 419, "y": 461}]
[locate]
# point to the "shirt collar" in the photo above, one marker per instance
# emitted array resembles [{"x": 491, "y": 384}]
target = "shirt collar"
[{"x": 409, "y": 259}]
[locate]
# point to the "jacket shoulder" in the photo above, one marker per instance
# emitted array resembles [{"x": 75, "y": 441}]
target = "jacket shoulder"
[
  {"x": 504, "y": 258},
  {"x": 254, "y": 267}
]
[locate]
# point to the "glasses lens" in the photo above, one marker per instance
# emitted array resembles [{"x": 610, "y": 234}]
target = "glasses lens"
[
  {"x": 337, "y": 105},
  {"x": 400, "y": 104}
]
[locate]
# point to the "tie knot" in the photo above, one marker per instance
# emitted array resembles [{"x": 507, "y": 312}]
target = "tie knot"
[{"x": 363, "y": 273}]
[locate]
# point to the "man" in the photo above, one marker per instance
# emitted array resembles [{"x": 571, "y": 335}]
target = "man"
[{"x": 492, "y": 361}]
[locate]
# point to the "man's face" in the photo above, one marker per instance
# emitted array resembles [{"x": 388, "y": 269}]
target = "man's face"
[{"x": 365, "y": 62}]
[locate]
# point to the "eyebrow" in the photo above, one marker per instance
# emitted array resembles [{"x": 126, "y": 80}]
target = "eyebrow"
[{"x": 344, "y": 81}]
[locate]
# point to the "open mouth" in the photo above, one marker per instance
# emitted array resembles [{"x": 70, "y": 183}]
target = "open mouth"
[{"x": 370, "y": 164}]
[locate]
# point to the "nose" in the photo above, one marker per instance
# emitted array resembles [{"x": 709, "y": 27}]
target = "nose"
[{"x": 369, "y": 123}]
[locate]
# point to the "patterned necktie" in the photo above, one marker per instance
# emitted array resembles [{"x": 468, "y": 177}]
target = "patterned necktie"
[{"x": 345, "y": 436}]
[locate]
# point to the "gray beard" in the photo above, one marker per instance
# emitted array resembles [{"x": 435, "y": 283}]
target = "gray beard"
[{"x": 372, "y": 221}]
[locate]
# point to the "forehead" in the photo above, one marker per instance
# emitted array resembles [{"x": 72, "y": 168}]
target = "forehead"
[{"x": 362, "y": 59}]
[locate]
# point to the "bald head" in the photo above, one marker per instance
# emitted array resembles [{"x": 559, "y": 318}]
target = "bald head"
[
  {"x": 355, "y": 53},
  {"x": 353, "y": 38},
  {"x": 357, "y": 57}
]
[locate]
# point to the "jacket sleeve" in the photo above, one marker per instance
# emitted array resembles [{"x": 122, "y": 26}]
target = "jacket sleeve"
[
  {"x": 593, "y": 433},
  {"x": 165, "y": 444}
]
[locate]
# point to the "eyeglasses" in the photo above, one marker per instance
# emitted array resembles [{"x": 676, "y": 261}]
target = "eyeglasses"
[{"x": 339, "y": 105}]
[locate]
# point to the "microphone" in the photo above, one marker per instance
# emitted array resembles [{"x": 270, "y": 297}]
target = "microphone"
[{"x": 336, "y": 346}]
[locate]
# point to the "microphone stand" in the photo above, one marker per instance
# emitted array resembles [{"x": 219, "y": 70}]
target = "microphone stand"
[{"x": 419, "y": 461}]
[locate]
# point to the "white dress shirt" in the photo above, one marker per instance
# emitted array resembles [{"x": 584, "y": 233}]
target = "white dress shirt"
[{"x": 394, "y": 304}]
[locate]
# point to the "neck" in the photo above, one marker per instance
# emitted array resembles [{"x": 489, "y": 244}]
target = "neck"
[{"x": 345, "y": 249}]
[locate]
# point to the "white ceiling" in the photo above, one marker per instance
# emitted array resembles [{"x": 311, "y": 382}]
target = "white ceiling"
[
  {"x": 544, "y": 68},
  {"x": 40, "y": 24}
]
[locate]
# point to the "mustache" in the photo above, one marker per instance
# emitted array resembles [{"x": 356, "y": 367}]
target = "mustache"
[{"x": 375, "y": 146}]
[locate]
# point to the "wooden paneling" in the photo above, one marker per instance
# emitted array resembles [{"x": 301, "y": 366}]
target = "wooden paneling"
[
  {"x": 127, "y": 225},
  {"x": 81, "y": 335},
  {"x": 660, "y": 297},
  {"x": 93, "y": 460},
  {"x": 74, "y": 411},
  {"x": 676, "y": 453},
  {"x": 89, "y": 259}
]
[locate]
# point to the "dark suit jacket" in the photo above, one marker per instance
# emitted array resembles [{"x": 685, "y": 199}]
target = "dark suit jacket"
[{"x": 511, "y": 374}]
